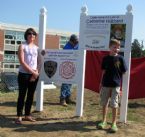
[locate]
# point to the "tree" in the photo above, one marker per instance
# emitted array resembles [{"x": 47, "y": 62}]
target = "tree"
[{"x": 137, "y": 49}]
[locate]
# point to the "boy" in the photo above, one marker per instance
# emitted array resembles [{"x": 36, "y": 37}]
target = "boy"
[{"x": 113, "y": 66}]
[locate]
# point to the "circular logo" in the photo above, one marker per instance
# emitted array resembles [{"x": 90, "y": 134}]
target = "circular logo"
[{"x": 67, "y": 70}]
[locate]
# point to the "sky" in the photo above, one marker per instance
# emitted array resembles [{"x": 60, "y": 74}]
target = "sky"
[{"x": 65, "y": 14}]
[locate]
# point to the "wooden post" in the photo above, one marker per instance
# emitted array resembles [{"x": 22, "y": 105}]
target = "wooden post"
[
  {"x": 127, "y": 56},
  {"x": 41, "y": 44},
  {"x": 82, "y": 60}
]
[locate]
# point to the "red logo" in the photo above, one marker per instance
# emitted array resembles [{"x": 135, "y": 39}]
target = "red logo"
[{"x": 67, "y": 70}]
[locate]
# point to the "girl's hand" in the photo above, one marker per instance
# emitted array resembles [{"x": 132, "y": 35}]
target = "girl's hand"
[
  {"x": 35, "y": 74},
  {"x": 32, "y": 79}
]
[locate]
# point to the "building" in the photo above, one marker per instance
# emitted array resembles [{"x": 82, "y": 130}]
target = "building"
[{"x": 11, "y": 36}]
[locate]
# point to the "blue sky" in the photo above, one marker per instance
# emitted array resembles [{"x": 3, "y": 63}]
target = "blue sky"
[{"x": 64, "y": 14}]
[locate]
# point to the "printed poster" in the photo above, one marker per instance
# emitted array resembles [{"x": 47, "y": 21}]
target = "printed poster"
[
  {"x": 98, "y": 30},
  {"x": 60, "y": 66}
]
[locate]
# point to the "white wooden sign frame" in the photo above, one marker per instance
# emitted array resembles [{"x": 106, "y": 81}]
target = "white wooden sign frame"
[
  {"x": 127, "y": 55},
  {"x": 82, "y": 59}
]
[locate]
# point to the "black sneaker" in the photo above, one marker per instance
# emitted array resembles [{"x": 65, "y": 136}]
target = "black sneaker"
[
  {"x": 69, "y": 101},
  {"x": 63, "y": 102}
]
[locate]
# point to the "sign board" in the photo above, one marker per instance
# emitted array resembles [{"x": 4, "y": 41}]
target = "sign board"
[
  {"x": 60, "y": 66},
  {"x": 98, "y": 30},
  {"x": 95, "y": 34}
]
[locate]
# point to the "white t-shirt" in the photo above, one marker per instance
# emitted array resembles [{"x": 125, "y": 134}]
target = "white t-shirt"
[{"x": 30, "y": 57}]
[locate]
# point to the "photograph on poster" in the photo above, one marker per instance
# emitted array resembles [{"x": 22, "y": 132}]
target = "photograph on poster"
[{"x": 118, "y": 32}]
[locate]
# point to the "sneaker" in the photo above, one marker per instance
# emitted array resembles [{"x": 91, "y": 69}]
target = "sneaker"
[
  {"x": 113, "y": 128},
  {"x": 102, "y": 125},
  {"x": 62, "y": 102}
]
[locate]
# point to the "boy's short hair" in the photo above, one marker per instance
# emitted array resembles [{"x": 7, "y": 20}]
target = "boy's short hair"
[{"x": 114, "y": 41}]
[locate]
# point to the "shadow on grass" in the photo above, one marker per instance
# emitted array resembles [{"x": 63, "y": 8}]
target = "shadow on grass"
[
  {"x": 51, "y": 125},
  {"x": 53, "y": 104},
  {"x": 14, "y": 104},
  {"x": 59, "y": 126},
  {"x": 72, "y": 124},
  {"x": 136, "y": 105},
  {"x": 8, "y": 104}
]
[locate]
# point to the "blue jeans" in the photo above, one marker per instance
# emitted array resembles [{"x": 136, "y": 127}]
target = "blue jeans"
[{"x": 65, "y": 90}]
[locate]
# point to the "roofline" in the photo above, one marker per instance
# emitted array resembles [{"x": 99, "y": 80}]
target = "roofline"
[{"x": 15, "y": 27}]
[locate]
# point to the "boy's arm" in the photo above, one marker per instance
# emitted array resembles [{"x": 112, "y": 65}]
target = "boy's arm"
[
  {"x": 103, "y": 71},
  {"x": 101, "y": 79}
]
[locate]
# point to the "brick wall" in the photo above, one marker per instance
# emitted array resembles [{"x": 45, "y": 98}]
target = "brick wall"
[
  {"x": 1, "y": 44},
  {"x": 1, "y": 40},
  {"x": 52, "y": 42}
]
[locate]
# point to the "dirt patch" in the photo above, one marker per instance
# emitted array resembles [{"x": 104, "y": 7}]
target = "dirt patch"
[{"x": 56, "y": 120}]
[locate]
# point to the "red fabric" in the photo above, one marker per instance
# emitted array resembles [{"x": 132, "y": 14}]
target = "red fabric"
[
  {"x": 137, "y": 79},
  {"x": 94, "y": 73}
]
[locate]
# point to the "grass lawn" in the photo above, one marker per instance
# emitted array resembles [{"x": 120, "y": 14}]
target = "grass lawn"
[{"x": 56, "y": 120}]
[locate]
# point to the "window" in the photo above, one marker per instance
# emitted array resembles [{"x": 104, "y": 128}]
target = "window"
[
  {"x": 10, "y": 56},
  {"x": 17, "y": 66},
  {"x": 63, "y": 38},
  {"x": 13, "y": 42},
  {"x": 8, "y": 37},
  {"x": 20, "y": 37},
  {"x": 61, "y": 46},
  {"x": 6, "y": 66},
  {"x": 19, "y": 42},
  {"x": 9, "y": 52},
  {"x": 7, "y": 42},
  {"x": 13, "y": 39},
  {"x": 11, "y": 66},
  {"x": 63, "y": 41}
]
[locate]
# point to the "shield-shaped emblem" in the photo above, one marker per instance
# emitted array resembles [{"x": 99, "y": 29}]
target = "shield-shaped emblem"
[{"x": 50, "y": 68}]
